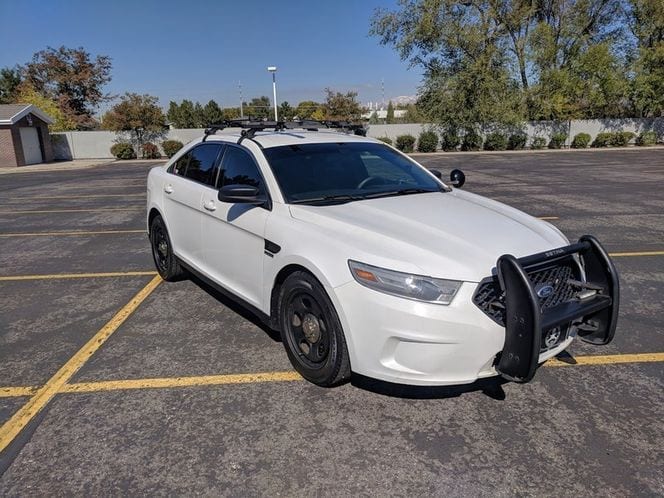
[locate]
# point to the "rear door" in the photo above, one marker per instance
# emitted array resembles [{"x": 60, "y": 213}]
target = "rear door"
[
  {"x": 183, "y": 191},
  {"x": 233, "y": 234}
]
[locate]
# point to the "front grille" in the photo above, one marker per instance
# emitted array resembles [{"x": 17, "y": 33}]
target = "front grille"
[{"x": 491, "y": 300}]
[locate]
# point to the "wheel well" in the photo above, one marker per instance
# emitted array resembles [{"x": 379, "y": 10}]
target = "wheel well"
[
  {"x": 278, "y": 281},
  {"x": 153, "y": 214}
]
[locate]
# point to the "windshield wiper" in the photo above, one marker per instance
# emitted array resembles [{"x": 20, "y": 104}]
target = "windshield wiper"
[
  {"x": 332, "y": 199},
  {"x": 403, "y": 191}
]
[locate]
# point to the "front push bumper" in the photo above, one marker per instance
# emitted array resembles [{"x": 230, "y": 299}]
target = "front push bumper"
[{"x": 594, "y": 312}]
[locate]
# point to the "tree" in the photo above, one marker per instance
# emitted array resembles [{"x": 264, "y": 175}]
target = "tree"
[
  {"x": 258, "y": 108},
  {"x": 390, "y": 113},
  {"x": 490, "y": 62},
  {"x": 72, "y": 78},
  {"x": 340, "y": 106},
  {"x": 139, "y": 116},
  {"x": 306, "y": 109},
  {"x": 373, "y": 119},
  {"x": 62, "y": 122},
  {"x": 187, "y": 114},
  {"x": 173, "y": 114},
  {"x": 10, "y": 79},
  {"x": 286, "y": 112},
  {"x": 212, "y": 113}
]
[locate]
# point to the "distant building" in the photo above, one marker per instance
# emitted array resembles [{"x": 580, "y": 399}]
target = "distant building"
[
  {"x": 24, "y": 137},
  {"x": 382, "y": 113}
]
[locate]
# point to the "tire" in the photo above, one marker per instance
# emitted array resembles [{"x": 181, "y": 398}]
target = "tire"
[
  {"x": 167, "y": 264},
  {"x": 311, "y": 331}
]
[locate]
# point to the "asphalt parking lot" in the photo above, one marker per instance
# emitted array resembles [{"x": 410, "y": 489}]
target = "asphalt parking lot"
[{"x": 133, "y": 386}]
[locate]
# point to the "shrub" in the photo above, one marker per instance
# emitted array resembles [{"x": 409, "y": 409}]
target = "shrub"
[
  {"x": 471, "y": 140},
  {"x": 557, "y": 140},
  {"x": 387, "y": 140},
  {"x": 428, "y": 142},
  {"x": 580, "y": 141},
  {"x": 538, "y": 143},
  {"x": 405, "y": 143},
  {"x": 517, "y": 141},
  {"x": 150, "y": 151},
  {"x": 604, "y": 139},
  {"x": 171, "y": 147},
  {"x": 495, "y": 141},
  {"x": 450, "y": 140},
  {"x": 622, "y": 138},
  {"x": 123, "y": 150},
  {"x": 646, "y": 138}
]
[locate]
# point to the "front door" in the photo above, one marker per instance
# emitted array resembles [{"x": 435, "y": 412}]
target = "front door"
[
  {"x": 31, "y": 148},
  {"x": 233, "y": 242}
]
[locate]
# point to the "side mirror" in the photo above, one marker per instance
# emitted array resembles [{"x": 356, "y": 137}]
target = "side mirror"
[
  {"x": 436, "y": 173},
  {"x": 241, "y": 194},
  {"x": 457, "y": 178}
]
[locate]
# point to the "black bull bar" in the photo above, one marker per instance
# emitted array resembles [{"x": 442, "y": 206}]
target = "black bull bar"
[{"x": 525, "y": 320}]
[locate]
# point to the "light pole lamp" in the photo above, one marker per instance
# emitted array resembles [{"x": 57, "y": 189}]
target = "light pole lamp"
[{"x": 273, "y": 70}]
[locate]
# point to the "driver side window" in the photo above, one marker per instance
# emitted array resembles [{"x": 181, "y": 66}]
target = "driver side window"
[{"x": 239, "y": 168}]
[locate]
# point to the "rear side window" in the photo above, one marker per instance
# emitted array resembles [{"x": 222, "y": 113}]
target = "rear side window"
[
  {"x": 239, "y": 168},
  {"x": 202, "y": 164}
]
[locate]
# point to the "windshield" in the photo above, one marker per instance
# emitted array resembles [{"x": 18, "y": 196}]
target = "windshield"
[{"x": 343, "y": 172}]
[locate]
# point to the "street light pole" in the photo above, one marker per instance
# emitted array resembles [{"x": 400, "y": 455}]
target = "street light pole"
[{"x": 273, "y": 70}]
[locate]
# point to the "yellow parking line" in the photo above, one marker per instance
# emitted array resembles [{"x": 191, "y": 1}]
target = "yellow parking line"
[
  {"x": 55, "y": 234},
  {"x": 44, "y": 394},
  {"x": 156, "y": 383},
  {"x": 43, "y": 211},
  {"x": 13, "y": 392},
  {"x": 84, "y": 196},
  {"x": 611, "y": 359},
  {"x": 56, "y": 276},
  {"x": 632, "y": 254},
  {"x": 548, "y": 218}
]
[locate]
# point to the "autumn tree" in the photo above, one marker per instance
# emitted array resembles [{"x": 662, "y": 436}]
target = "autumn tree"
[
  {"x": 306, "y": 109},
  {"x": 341, "y": 106},
  {"x": 136, "y": 118},
  {"x": 72, "y": 78},
  {"x": 10, "y": 79},
  {"x": 62, "y": 122}
]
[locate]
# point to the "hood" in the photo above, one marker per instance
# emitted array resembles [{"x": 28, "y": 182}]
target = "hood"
[{"x": 455, "y": 235}]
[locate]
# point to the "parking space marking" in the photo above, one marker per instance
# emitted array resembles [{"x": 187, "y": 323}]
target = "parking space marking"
[
  {"x": 88, "y": 210},
  {"x": 286, "y": 376},
  {"x": 634, "y": 254},
  {"x": 84, "y": 196},
  {"x": 56, "y": 234},
  {"x": 548, "y": 218},
  {"x": 44, "y": 394},
  {"x": 168, "y": 382},
  {"x": 56, "y": 276}
]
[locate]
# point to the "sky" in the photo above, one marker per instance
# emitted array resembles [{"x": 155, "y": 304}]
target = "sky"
[{"x": 201, "y": 50}]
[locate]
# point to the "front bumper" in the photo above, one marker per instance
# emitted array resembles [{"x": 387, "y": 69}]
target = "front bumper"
[{"x": 409, "y": 342}]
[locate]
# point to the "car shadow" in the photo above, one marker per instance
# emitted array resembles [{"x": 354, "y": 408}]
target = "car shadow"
[
  {"x": 491, "y": 387},
  {"x": 236, "y": 307}
]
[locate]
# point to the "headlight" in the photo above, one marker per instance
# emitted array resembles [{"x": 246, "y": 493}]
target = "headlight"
[{"x": 418, "y": 287}]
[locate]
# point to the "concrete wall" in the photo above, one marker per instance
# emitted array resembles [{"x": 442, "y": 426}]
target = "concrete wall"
[{"x": 97, "y": 144}]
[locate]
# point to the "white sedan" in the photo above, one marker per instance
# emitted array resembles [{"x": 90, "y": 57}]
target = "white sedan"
[{"x": 365, "y": 261}]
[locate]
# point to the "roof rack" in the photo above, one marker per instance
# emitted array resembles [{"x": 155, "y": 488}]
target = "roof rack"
[{"x": 250, "y": 127}]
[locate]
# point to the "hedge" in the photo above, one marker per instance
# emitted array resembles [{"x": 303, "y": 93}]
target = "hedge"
[
  {"x": 171, "y": 147},
  {"x": 538, "y": 143},
  {"x": 495, "y": 141},
  {"x": 387, "y": 140},
  {"x": 150, "y": 151},
  {"x": 471, "y": 140},
  {"x": 517, "y": 141},
  {"x": 123, "y": 150},
  {"x": 557, "y": 140},
  {"x": 427, "y": 142},
  {"x": 646, "y": 138},
  {"x": 580, "y": 141},
  {"x": 405, "y": 143}
]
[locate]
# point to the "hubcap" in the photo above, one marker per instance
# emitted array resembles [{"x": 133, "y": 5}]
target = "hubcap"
[
  {"x": 307, "y": 329},
  {"x": 311, "y": 328}
]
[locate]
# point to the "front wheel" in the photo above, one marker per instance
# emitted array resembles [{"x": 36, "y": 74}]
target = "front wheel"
[
  {"x": 311, "y": 331},
  {"x": 162, "y": 251}
]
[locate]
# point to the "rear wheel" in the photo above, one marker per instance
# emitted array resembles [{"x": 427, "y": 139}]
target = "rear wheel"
[
  {"x": 162, "y": 251},
  {"x": 311, "y": 331}
]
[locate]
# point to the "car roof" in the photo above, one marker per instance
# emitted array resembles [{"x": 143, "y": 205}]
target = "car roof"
[{"x": 268, "y": 139}]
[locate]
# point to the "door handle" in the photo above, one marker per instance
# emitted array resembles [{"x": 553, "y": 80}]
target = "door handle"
[
  {"x": 210, "y": 206},
  {"x": 168, "y": 189}
]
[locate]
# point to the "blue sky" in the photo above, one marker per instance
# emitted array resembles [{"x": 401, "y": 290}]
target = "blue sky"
[{"x": 200, "y": 49}]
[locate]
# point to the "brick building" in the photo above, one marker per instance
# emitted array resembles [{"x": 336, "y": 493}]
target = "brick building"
[{"x": 24, "y": 137}]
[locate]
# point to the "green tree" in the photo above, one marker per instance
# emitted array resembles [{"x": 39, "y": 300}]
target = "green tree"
[
  {"x": 187, "y": 113},
  {"x": 72, "y": 78},
  {"x": 286, "y": 111},
  {"x": 173, "y": 115},
  {"x": 137, "y": 118},
  {"x": 10, "y": 79},
  {"x": 373, "y": 119},
  {"x": 212, "y": 113},
  {"x": 258, "y": 108},
  {"x": 306, "y": 109},
  {"x": 390, "y": 113},
  {"x": 199, "y": 116},
  {"x": 28, "y": 95},
  {"x": 341, "y": 106}
]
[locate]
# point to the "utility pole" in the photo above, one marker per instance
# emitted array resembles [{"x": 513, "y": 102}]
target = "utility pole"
[
  {"x": 273, "y": 70},
  {"x": 382, "y": 89},
  {"x": 239, "y": 85}
]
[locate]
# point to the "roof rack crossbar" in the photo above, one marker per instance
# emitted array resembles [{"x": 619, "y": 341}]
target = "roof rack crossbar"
[{"x": 250, "y": 127}]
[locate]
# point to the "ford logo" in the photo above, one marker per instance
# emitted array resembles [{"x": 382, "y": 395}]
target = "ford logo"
[{"x": 545, "y": 291}]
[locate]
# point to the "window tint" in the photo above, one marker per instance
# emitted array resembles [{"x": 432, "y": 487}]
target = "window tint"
[
  {"x": 201, "y": 166},
  {"x": 239, "y": 168},
  {"x": 180, "y": 165}
]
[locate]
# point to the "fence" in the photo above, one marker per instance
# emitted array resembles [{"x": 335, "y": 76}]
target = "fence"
[{"x": 97, "y": 144}]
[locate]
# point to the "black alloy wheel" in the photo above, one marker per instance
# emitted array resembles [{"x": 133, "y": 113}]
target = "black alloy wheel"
[{"x": 167, "y": 264}]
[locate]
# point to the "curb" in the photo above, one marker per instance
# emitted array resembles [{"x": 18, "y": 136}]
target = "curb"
[{"x": 536, "y": 151}]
